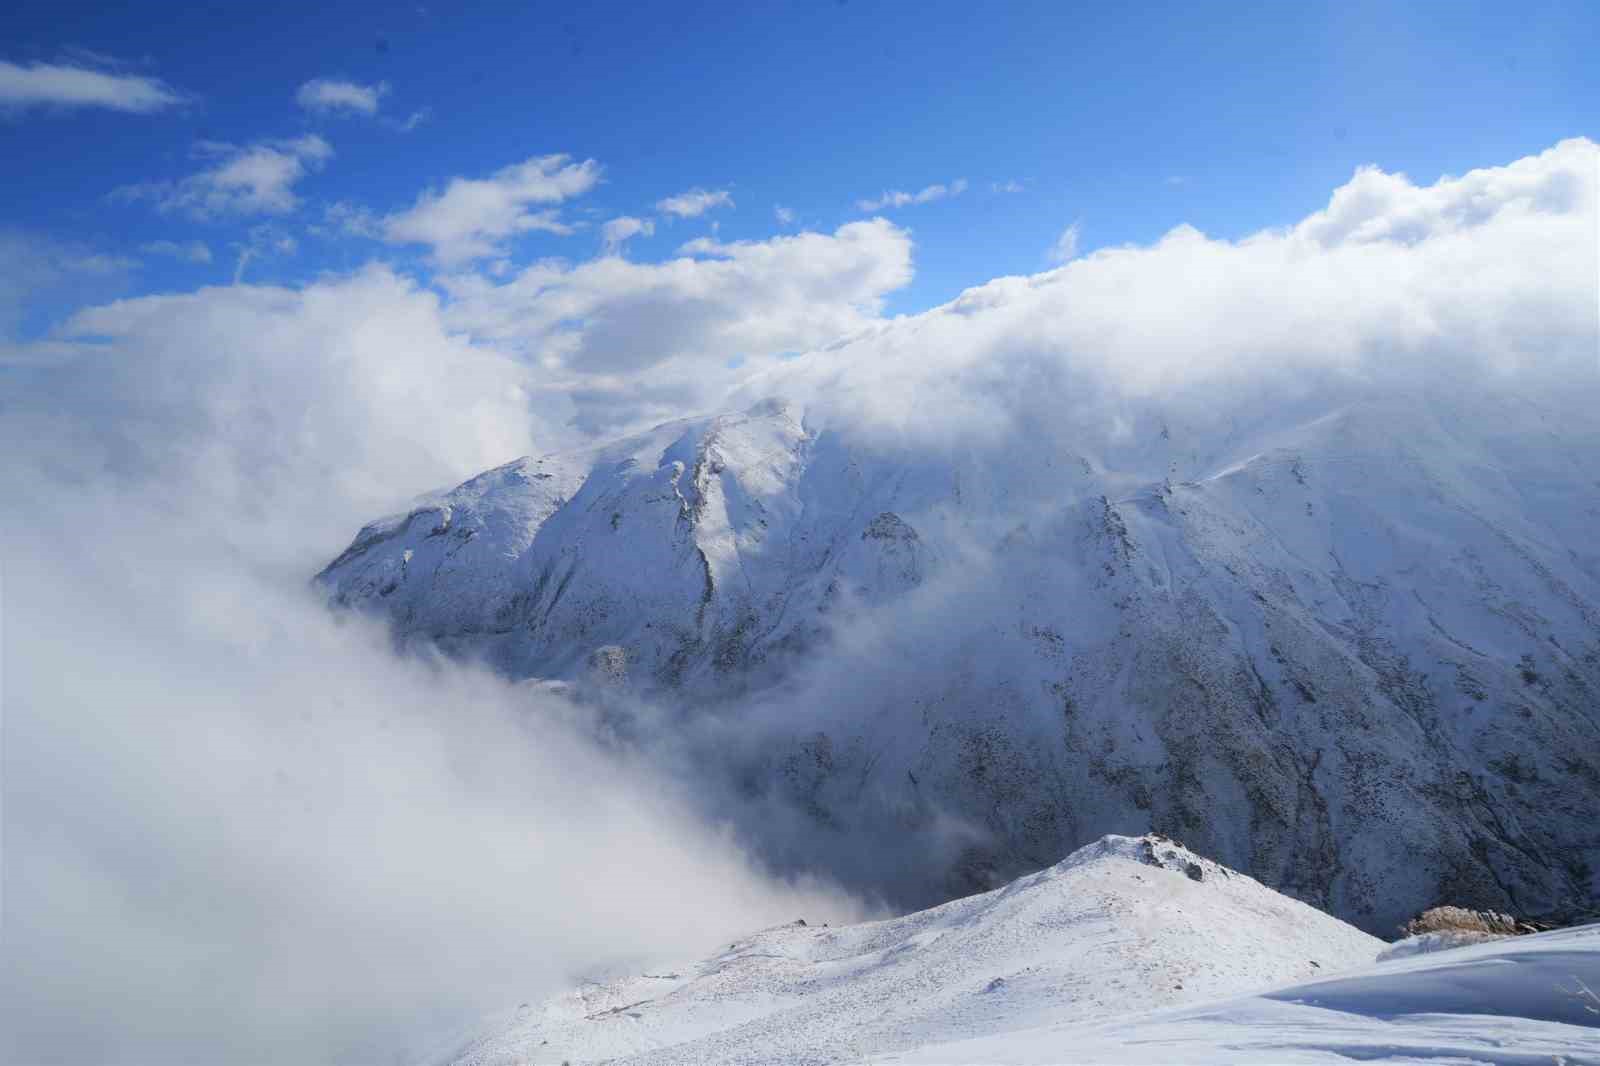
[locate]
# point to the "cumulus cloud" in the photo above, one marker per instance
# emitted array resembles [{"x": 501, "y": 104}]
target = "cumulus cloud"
[
  {"x": 238, "y": 828},
  {"x": 188, "y": 251},
  {"x": 1065, "y": 247},
  {"x": 472, "y": 218},
  {"x": 896, "y": 198},
  {"x": 352, "y": 389},
  {"x": 332, "y": 96},
  {"x": 256, "y": 179},
  {"x": 694, "y": 203},
  {"x": 631, "y": 341},
  {"x": 1490, "y": 273},
  {"x": 618, "y": 231},
  {"x": 53, "y": 85}
]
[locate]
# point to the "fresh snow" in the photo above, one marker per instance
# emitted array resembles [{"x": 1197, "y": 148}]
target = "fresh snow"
[
  {"x": 1352, "y": 647},
  {"x": 1125, "y": 924},
  {"x": 1515, "y": 1000}
]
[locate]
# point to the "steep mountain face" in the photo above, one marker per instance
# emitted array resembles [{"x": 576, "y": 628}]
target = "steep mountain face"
[
  {"x": 1352, "y": 648},
  {"x": 1122, "y": 925}
]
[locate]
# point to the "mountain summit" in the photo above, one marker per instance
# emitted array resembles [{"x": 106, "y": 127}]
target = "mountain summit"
[{"x": 1354, "y": 651}]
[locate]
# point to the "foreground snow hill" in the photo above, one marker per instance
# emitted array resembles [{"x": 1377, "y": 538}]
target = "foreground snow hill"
[{"x": 1123, "y": 925}]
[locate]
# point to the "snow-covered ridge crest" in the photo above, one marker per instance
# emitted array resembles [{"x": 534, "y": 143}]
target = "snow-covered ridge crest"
[
  {"x": 1123, "y": 924},
  {"x": 693, "y": 548}
]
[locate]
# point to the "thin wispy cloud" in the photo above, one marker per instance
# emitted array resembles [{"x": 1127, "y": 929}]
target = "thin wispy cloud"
[
  {"x": 353, "y": 220},
  {"x": 472, "y": 218},
  {"x": 265, "y": 240},
  {"x": 1065, "y": 247},
  {"x": 1009, "y": 186},
  {"x": 896, "y": 198},
  {"x": 189, "y": 251},
  {"x": 63, "y": 86},
  {"x": 411, "y": 121},
  {"x": 618, "y": 231},
  {"x": 694, "y": 203},
  {"x": 332, "y": 96},
  {"x": 784, "y": 215},
  {"x": 256, "y": 179}
]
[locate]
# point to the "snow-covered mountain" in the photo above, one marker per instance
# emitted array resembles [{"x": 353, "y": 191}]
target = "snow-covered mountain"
[
  {"x": 1129, "y": 950},
  {"x": 1352, "y": 647},
  {"x": 1122, "y": 925}
]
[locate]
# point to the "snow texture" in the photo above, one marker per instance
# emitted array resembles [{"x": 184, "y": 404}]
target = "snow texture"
[
  {"x": 1515, "y": 1001},
  {"x": 1354, "y": 650},
  {"x": 1125, "y": 923}
]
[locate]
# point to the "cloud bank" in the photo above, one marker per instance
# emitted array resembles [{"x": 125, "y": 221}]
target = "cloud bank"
[
  {"x": 239, "y": 829},
  {"x": 1490, "y": 273}
]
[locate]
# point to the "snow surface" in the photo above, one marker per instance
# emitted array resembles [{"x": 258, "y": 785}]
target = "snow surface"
[
  {"x": 1123, "y": 924},
  {"x": 1515, "y": 1000}
]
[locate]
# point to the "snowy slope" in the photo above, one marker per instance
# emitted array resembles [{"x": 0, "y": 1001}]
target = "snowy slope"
[
  {"x": 1527, "y": 1000},
  {"x": 1352, "y": 647},
  {"x": 1123, "y": 924},
  {"x": 696, "y": 549}
]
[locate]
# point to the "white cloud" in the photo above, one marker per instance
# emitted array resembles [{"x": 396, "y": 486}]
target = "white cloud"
[
  {"x": 473, "y": 217},
  {"x": 1490, "y": 274},
  {"x": 897, "y": 198},
  {"x": 618, "y": 231},
  {"x": 61, "y": 86},
  {"x": 188, "y": 251},
  {"x": 255, "y": 179},
  {"x": 34, "y": 269},
  {"x": 264, "y": 240},
  {"x": 413, "y": 120},
  {"x": 1009, "y": 186},
  {"x": 629, "y": 342},
  {"x": 784, "y": 215},
  {"x": 353, "y": 220},
  {"x": 330, "y": 96},
  {"x": 694, "y": 203},
  {"x": 313, "y": 812},
  {"x": 1066, "y": 246}
]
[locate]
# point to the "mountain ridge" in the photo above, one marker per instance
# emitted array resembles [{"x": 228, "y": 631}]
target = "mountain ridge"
[{"x": 1353, "y": 650}]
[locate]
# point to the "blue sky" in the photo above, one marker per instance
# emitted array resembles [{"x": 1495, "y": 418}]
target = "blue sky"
[{"x": 1123, "y": 119}]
